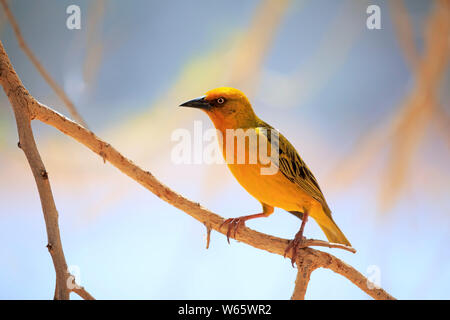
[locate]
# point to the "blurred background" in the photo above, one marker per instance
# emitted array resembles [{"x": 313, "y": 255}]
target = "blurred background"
[{"x": 368, "y": 110}]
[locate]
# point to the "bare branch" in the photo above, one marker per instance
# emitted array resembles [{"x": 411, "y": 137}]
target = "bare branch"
[
  {"x": 21, "y": 101},
  {"x": 321, "y": 243},
  {"x": 306, "y": 265},
  {"x": 83, "y": 293},
  {"x": 52, "y": 83},
  {"x": 311, "y": 259},
  {"x": 326, "y": 260}
]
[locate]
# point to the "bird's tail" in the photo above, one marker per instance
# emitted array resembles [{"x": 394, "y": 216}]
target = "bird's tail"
[{"x": 332, "y": 231}]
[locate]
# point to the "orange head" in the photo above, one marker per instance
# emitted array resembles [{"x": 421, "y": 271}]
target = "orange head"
[{"x": 228, "y": 108}]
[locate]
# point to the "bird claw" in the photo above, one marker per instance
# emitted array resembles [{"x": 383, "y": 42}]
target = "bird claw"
[
  {"x": 233, "y": 225},
  {"x": 295, "y": 245}
]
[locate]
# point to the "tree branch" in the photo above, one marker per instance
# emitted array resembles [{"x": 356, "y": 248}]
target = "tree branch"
[
  {"x": 83, "y": 293},
  {"x": 26, "y": 108},
  {"x": 319, "y": 259},
  {"x": 21, "y": 102},
  {"x": 305, "y": 265},
  {"x": 52, "y": 83}
]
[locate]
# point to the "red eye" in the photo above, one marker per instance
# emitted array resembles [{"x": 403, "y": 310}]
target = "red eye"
[{"x": 220, "y": 100}]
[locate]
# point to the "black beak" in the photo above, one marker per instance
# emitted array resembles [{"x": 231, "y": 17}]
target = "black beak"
[{"x": 199, "y": 102}]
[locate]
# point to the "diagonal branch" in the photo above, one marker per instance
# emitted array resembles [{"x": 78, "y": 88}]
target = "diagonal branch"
[
  {"x": 52, "y": 83},
  {"x": 319, "y": 259},
  {"x": 83, "y": 293},
  {"x": 27, "y": 108}
]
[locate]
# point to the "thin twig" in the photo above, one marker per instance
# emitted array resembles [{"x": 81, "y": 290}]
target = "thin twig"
[
  {"x": 208, "y": 236},
  {"x": 321, "y": 243},
  {"x": 52, "y": 83}
]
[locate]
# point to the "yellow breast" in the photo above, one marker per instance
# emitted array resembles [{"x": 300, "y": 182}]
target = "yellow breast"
[{"x": 250, "y": 165}]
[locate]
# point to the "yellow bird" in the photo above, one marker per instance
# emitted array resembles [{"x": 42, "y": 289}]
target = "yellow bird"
[{"x": 291, "y": 186}]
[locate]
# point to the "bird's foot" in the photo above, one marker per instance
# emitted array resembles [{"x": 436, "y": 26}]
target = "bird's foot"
[
  {"x": 233, "y": 225},
  {"x": 295, "y": 245}
]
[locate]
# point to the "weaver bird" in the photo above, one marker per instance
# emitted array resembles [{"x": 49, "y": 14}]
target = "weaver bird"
[{"x": 291, "y": 186}]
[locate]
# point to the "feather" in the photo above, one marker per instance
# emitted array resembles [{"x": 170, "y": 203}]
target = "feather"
[{"x": 293, "y": 167}]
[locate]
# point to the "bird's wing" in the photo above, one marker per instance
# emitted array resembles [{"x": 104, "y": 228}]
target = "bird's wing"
[{"x": 294, "y": 168}]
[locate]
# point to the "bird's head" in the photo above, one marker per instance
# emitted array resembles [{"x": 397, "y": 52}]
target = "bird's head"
[{"x": 227, "y": 108}]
